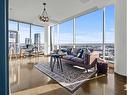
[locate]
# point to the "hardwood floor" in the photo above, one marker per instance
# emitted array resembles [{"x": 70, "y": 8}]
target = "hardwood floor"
[{"x": 27, "y": 80}]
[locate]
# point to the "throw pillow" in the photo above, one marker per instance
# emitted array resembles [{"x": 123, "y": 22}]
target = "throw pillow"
[
  {"x": 91, "y": 50},
  {"x": 80, "y": 53},
  {"x": 86, "y": 51},
  {"x": 86, "y": 58},
  {"x": 69, "y": 51}
]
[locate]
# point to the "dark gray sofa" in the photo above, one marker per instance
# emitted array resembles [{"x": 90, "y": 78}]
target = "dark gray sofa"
[{"x": 81, "y": 58}]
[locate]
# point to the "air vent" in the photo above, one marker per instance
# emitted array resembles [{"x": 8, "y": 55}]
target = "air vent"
[{"x": 84, "y": 1}]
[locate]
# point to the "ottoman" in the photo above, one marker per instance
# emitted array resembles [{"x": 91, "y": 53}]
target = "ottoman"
[{"x": 102, "y": 67}]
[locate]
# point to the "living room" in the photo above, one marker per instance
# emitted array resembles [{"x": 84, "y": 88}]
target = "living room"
[{"x": 69, "y": 50}]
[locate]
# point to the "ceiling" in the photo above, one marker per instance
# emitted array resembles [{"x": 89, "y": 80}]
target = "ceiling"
[{"x": 58, "y": 10}]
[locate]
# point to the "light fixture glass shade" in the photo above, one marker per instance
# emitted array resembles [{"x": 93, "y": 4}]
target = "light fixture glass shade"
[{"x": 44, "y": 16}]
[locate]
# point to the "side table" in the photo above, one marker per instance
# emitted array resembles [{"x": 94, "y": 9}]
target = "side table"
[{"x": 56, "y": 59}]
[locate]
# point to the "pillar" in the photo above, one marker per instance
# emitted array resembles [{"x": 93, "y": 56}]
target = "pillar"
[
  {"x": 58, "y": 36},
  {"x": 121, "y": 37},
  {"x": 47, "y": 40}
]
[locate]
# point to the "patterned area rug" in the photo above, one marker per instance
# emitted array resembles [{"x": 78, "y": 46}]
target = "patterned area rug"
[{"x": 71, "y": 78}]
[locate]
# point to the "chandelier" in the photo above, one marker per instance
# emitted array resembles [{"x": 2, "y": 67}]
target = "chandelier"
[{"x": 44, "y": 16}]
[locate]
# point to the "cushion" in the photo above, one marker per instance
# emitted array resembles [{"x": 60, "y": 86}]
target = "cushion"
[
  {"x": 74, "y": 54},
  {"x": 68, "y": 57},
  {"x": 86, "y": 58},
  {"x": 80, "y": 53},
  {"x": 69, "y": 51},
  {"x": 78, "y": 60},
  {"x": 86, "y": 51},
  {"x": 75, "y": 51},
  {"x": 91, "y": 50}
]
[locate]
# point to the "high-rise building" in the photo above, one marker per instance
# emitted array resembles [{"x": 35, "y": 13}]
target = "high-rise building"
[
  {"x": 37, "y": 38},
  {"x": 27, "y": 41}
]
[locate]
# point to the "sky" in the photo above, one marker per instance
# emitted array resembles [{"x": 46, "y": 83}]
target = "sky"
[{"x": 88, "y": 28}]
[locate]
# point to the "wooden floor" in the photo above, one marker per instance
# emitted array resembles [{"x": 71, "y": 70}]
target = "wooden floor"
[{"x": 27, "y": 80}]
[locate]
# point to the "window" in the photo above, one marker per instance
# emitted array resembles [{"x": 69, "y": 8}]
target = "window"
[
  {"x": 37, "y": 30},
  {"x": 13, "y": 25},
  {"x": 54, "y": 34},
  {"x": 13, "y": 36},
  {"x": 66, "y": 33},
  {"x": 24, "y": 33},
  {"x": 110, "y": 32},
  {"x": 89, "y": 30},
  {"x": 37, "y": 36}
]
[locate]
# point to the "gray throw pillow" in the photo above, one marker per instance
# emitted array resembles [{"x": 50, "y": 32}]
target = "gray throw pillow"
[
  {"x": 80, "y": 53},
  {"x": 86, "y": 58}
]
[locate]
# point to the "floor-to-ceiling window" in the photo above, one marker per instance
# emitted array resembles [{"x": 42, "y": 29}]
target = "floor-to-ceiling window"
[
  {"x": 21, "y": 34},
  {"x": 13, "y": 36},
  {"x": 54, "y": 34},
  {"x": 37, "y": 36},
  {"x": 24, "y": 34},
  {"x": 89, "y": 30},
  {"x": 13, "y": 25},
  {"x": 66, "y": 34},
  {"x": 109, "y": 32}
]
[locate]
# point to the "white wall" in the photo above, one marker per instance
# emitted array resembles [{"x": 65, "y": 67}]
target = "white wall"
[{"x": 121, "y": 37}]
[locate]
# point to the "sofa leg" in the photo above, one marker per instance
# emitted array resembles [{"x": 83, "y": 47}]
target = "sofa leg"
[
  {"x": 95, "y": 68},
  {"x": 86, "y": 70}
]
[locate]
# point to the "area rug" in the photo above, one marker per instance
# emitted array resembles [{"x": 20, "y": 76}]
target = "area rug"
[{"x": 71, "y": 78}]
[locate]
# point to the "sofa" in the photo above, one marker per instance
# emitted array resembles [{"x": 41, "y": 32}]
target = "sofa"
[{"x": 81, "y": 57}]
